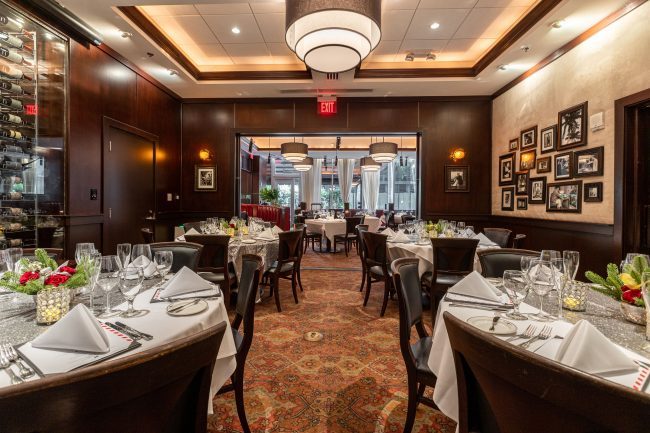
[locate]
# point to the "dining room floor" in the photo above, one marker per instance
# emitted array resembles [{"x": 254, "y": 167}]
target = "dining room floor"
[{"x": 352, "y": 381}]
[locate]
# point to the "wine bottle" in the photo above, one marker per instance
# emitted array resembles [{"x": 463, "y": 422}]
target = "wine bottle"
[
  {"x": 11, "y": 87},
  {"x": 10, "y": 24},
  {"x": 7, "y": 117},
  {"x": 10, "y": 72},
  {"x": 11, "y": 103},
  {"x": 11, "y": 41},
  {"x": 11, "y": 134},
  {"x": 12, "y": 56}
]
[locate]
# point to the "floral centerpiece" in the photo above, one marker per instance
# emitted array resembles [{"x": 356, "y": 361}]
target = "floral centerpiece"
[
  {"x": 624, "y": 286},
  {"x": 32, "y": 276}
]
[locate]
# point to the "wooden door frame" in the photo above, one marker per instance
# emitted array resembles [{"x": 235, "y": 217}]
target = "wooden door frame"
[
  {"x": 625, "y": 170},
  {"x": 107, "y": 124}
]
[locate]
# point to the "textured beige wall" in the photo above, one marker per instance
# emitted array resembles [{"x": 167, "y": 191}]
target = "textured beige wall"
[{"x": 610, "y": 65}]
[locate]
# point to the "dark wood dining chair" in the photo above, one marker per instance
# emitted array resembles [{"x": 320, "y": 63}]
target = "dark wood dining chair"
[
  {"x": 390, "y": 220},
  {"x": 377, "y": 266},
  {"x": 298, "y": 226},
  {"x": 497, "y": 260},
  {"x": 453, "y": 260},
  {"x": 162, "y": 389},
  {"x": 147, "y": 235},
  {"x": 314, "y": 237},
  {"x": 519, "y": 240},
  {"x": 244, "y": 315},
  {"x": 184, "y": 254},
  {"x": 301, "y": 253},
  {"x": 406, "y": 279},
  {"x": 350, "y": 237},
  {"x": 285, "y": 267},
  {"x": 503, "y": 388},
  {"x": 54, "y": 253},
  {"x": 362, "y": 228},
  {"x": 501, "y": 237},
  {"x": 214, "y": 264}
]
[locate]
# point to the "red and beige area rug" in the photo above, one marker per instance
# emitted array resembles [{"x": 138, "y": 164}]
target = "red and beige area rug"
[{"x": 352, "y": 381}]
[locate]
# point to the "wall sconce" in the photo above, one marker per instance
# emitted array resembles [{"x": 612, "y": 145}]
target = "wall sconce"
[
  {"x": 457, "y": 154},
  {"x": 205, "y": 155}
]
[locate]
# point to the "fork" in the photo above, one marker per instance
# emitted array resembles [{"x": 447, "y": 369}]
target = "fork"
[
  {"x": 5, "y": 364},
  {"x": 528, "y": 333},
  {"x": 11, "y": 354},
  {"x": 544, "y": 334}
]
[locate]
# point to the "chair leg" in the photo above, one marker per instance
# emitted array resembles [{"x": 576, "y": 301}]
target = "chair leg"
[
  {"x": 239, "y": 400},
  {"x": 421, "y": 389},
  {"x": 368, "y": 283},
  {"x": 293, "y": 286},
  {"x": 299, "y": 280},
  {"x": 363, "y": 277},
  {"x": 276, "y": 283},
  {"x": 412, "y": 405},
  {"x": 306, "y": 246},
  {"x": 347, "y": 247},
  {"x": 386, "y": 292}
]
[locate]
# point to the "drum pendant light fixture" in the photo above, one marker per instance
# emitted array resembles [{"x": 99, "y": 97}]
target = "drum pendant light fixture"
[
  {"x": 304, "y": 165},
  {"x": 383, "y": 151},
  {"x": 333, "y": 35},
  {"x": 294, "y": 151},
  {"x": 369, "y": 164}
]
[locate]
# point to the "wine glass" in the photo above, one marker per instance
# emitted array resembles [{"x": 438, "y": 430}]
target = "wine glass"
[
  {"x": 401, "y": 227},
  {"x": 561, "y": 279},
  {"x": 461, "y": 227},
  {"x": 124, "y": 254},
  {"x": 571, "y": 263},
  {"x": 548, "y": 255},
  {"x": 143, "y": 253},
  {"x": 163, "y": 260},
  {"x": 108, "y": 278},
  {"x": 629, "y": 259},
  {"x": 131, "y": 279},
  {"x": 13, "y": 257},
  {"x": 82, "y": 250},
  {"x": 470, "y": 231},
  {"x": 202, "y": 226},
  {"x": 541, "y": 277},
  {"x": 645, "y": 292},
  {"x": 514, "y": 283}
]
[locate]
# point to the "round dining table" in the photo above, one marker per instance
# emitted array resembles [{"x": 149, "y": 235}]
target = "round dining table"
[
  {"x": 328, "y": 227},
  {"x": 266, "y": 249}
]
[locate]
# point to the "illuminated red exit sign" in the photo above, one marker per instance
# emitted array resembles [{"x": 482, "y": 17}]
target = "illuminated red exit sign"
[
  {"x": 31, "y": 109},
  {"x": 326, "y": 106}
]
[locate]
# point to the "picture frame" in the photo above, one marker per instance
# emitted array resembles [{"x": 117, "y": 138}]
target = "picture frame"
[
  {"x": 513, "y": 144},
  {"x": 522, "y": 203},
  {"x": 508, "y": 198},
  {"x": 527, "y": 160},
  {"x": 521, "y": 183},
  {"x": 565, "y": 197},
  {"x": 205, "y": 178},
  {"x": 528, "y": 138},
  {"x": 572, "y": 127},
  {"x": 593, "y": 192},
  {"x": 548, "y": 139},
  {"x": 563, "y": 165},
  {"x": 456, "y": 178},
  {"x": 537, "y": 190},
  {"x": 507, "y": 169},
  {"x": 588, "y": 162},
  {"x": 544, "y": 164}
]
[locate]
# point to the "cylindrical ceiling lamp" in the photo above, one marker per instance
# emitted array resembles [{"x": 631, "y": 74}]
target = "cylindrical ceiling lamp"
[
  {"x": 369, "y": 164},
  {"x": 333, "y": 35},
  {"x": 294, "y": 151},
  {"x": 304, "y": 165},
  {"x": 383, "y": 151}
]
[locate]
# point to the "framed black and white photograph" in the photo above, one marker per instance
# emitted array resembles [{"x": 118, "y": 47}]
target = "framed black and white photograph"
[
  {"x": 588, "y": 162},
  {"x": 522, "y": 203},
  {"x": 593, "y": 192},
  {"x": 544, "y": 165},
  {"x": 456, "y": 178},
  {"x": 521, "y": 183},
  {"x": 564, "y": 197},
  {"x": 529, "y": 138},
  {"x": 563, "y": 165},
  {"x": 548, "y": 138},
  {"x": 507, "y": 169},
  {"x": 513, "y": 145},
  {"x": 508, "y": 199},
  {"x": 527, "y": 160},
  {"x": 572, "y": 127},
  {"x": 205, "y": 178},
  {"x": 537, "y": 190}
]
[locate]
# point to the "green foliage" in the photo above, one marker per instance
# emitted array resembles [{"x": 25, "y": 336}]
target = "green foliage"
[{"x": 270, "y": 194}]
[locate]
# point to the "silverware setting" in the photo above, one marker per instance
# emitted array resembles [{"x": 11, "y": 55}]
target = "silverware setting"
[
  {"x": 133, "y": 335},
  {"x": 528, "y": 333},
  {"x": 544, "y": 334},
  {"x": 494, "y": 322},
  {"x": 479, "y": 306},
  {"x": 5, "y": 364},
  {"x": 184, "y": 306},
  {"x": 10, "y": 353},
  {"x": 132, "y": 330}
]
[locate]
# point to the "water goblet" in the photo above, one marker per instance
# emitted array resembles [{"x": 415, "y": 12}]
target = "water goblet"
[
  {"x": 202, "y": 226},
  {"x": 13, "y": 257},
  {"x": 560, "y": 281},
  {"x": 82, "y": 250},
  {"x": 107, "y": 279},
  {"x": 541, "y": 277},
  {"x": 515, "y": 286},
  {"x": 548, "y": 255},
  {"x": 163, "y": 260},
  {"x": 130, "y": 284},
  {"x": 143, "y": 253},
  {"x": 401, "y": 227},
  {"x": 124, "y": 254}
]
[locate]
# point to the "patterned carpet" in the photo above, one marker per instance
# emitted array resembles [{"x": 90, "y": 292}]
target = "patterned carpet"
[{"x": 353, "y": 381}]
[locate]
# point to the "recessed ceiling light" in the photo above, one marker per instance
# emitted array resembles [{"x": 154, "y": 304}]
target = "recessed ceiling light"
[
  {"x": 235, "y": 30},
  {"x": 558, "y": 24},
  {"x": 434, "y": 25},
  {"x": 503, "y": 67},
  {"x": 126, "y": 35},
  {"x": 173, "y": 72},
  {"x": 431, "y": 57},
  {"x": 409, "y": 57}
]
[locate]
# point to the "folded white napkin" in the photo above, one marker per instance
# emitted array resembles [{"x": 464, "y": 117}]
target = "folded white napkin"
[
  {"x": 181, "y": 238},
  {"x": 184, "y": 281},
  {"x": 192, "y": 232},
  {"x": 277, "y": 230},
  {"x": 77, "y": 330},
  {"x": 400, "y": 236},
  {"x": 470, "y": 233},
  {"x": 267, "y": 234},
  {"x": 587, "y": 349},
  {"x": 475, "y": 286},
  {"x": 484, "y": 240},
  {"x": 388, "y": 232},
  {"x": 148, "y": 266}
]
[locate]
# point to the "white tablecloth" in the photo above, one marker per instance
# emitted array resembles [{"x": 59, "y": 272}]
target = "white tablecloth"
[
  {"x": 328, "y": 228},
  {"x": 373, "y": 223},
  {"x": 267, "y": 250}
]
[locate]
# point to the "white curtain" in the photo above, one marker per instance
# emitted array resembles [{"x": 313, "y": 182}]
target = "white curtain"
[
  {"x": 346, "y": 169},
  {"x": 310, "y": 183},
  {"x": 370, "y": 180},
  {"x": 391, "y": 183}
]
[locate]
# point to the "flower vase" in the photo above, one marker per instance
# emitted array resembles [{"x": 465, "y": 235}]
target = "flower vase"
[
  {"x": 633, "y": 314},
  {"x": 51, "y": 305}
]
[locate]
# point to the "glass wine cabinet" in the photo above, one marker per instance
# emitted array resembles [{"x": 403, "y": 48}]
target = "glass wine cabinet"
[{"x": 33, "y": 63}]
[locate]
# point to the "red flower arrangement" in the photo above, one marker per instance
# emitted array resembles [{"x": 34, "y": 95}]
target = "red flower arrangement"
[
  {"x": 28, "y": 276},
  {"x": 56, "y": 279},
  {"x": 630, "y": 295}
]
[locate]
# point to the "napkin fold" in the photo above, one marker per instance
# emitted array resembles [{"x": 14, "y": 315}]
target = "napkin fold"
[
  {"x": 148, "y": 266},
  {"x": 192, "y": 231},
  {"x": 587, "y": 349},
  {"x": 77, "y": 330},
  {"x": 267, "y": 235},
  {"x": 277, "y": 230},
  {"x": 184, "y": 281},
  {"x": 388, "y": 232},
  {"x": 400, "y": 236},
  {"x": 475, "y": 286},
  {"x": 484, "y": 240}
]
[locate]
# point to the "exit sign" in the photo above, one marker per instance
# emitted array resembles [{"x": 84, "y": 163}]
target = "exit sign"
[{"x": 326, "y": 107}]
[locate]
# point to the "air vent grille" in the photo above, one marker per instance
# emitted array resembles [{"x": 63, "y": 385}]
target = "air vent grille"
[{"x": 332, "y": 76}]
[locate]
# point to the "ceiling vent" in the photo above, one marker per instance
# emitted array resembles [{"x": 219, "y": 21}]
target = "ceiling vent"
[
  {"x": 332, "y": 76},
  {"x": 324, "y": 92}
]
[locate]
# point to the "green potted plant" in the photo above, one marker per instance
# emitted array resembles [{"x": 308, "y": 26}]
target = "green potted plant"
[{"x": 270, "y": 195}]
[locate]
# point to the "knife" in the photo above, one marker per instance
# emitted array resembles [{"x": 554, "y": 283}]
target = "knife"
[
  {"x": 135, "y": 331},
  {"x": 124, "y": 331}
]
